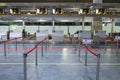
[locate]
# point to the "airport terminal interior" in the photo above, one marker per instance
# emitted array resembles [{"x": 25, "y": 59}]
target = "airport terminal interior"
[{"x": 60, "y": 40}]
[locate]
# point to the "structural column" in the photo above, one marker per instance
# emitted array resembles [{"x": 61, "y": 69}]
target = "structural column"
[
  {"x": 23, "y": 24},
  {"x": 38, "y": 27},
  {"x": 112, "y": 24},
  {"x": 83, "y": 26},
  {"x": 97, "y": 21},
  {"x": 97, "y": 1}
]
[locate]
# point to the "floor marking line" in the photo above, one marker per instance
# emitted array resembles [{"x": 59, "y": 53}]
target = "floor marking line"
[
  {"x": 59, "y": 54},
  {"x": 89, "y": 64}
]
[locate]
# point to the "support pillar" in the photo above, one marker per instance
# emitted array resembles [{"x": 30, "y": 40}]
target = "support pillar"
[
  {"x": 23, "y": 24},
  {"x": 112, "y": 25},
  {"x": 97, "y": 23},
  {"x": 83, "y": 26}
]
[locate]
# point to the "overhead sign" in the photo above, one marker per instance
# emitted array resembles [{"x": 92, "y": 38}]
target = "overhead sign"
[
  {"x": 117, "y": 37},
  {"x": 86, "y": 41},
  {"x": 100, "y": 33},
  {"x": 85, "y": 34}
]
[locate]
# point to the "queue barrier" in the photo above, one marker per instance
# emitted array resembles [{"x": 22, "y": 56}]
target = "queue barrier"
[
  {"x": 9, "y": 41},
  {"x": 95, "y": 55},
  {"x": 36, "y": 56},
  {"x": 112, "y": 41}
]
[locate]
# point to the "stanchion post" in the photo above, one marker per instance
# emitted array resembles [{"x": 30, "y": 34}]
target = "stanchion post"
[
  {"x": 98, "y": 67},
  {"x": 105, "y": 45},
  {"x": 73, "y": 42},
  {"x": 79, "y": 49},
  {"x": 36, "y": 57},
  {"x": 117, "y": 44},
  {"x": 86, "y": 57},
  {"x": 42, "y": 49},
  {"x": 48, "y": 42},
  {"x": 4, "y": 48},
  {"x": 16, "y": 44},
  {"x": 23, "y": 42},
  {"x": 25, "y": 66},
  {"x": 46, "y": 45}
]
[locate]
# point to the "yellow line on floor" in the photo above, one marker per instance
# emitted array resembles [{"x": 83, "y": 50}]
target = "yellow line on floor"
[{"x": 74, "y": 64}]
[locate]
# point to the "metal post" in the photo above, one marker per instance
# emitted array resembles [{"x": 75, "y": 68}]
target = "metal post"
[
  {"x": 48, "y": 42},
  {"x": 42, "y": 49},
  {"x": 105, "y": 45},
  {"x": 86, "y": 57},
  {"x": 4, "y": 48},
  {"x": 79, "y": 48},
  {"x": 46, "y": 45},
  {"x": 117, "y": 47},
  {"x": 16, "y": 44},
  {"x": 25, "y": 66},
  {"x": 73, "y": 41},
  {"x": 75, "y": 44},
  {"x": 36, "y": 57},
  {"x": 23, "y": 42},
  {"x": 98, "y": 67}
]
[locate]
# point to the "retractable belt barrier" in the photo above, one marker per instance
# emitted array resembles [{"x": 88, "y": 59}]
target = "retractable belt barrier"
[
  {"x": 95, "y": 55},
  {"x": 110, "y": 40},
  {"x": 9, "y": 41},
  {"x": 36, "y": 56}
]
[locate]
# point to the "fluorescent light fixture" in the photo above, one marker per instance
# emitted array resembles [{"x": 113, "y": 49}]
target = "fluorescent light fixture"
[
  {"x": 14, "y": 11},
  {"x": 64, "y": 20},
  {"x": 2, "y": 11},
  {"x": 57, "y": 11},
  {"x": 41, "y": 11},
  {"x": 80, "y": 12},
  {"x": 100, "y": 11},
  {"x": 42, "y": 20}
]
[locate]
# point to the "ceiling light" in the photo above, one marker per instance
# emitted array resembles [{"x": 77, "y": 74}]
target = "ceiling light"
[
  {"x": 2, "y": 11},
  {"x": 14, "y": 11},
  {"x": 101, "y": 11},
  {"x": 57, "y": 11},
  {"x": 42, "y": 11}
]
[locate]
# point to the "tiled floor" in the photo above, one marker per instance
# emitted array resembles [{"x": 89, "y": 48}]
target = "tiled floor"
[{"x": 59, "y": 62}]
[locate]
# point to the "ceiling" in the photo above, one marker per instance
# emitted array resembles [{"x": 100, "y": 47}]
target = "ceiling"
[
  {"x": 64, "y": 6},
  {"x": 81, "y": 1}
]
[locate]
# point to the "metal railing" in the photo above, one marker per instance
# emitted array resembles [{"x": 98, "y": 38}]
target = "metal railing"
[
  {"x": 36, "y": 56},
  {"x": 5, "y": 42},
  {"x": 116, "y": 42},
  {"x": 95, "y": 55}
]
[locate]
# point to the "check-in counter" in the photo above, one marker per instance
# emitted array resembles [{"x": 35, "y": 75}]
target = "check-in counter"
[
  {"x": 41, "y": 34},
  {"x": 15, "y": 34},
  {"x": 57, "y": 36},
  {"x": 3, "y": 35}
]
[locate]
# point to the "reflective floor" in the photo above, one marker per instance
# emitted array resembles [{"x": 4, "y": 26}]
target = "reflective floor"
[{"x": 59, "y": 62}]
